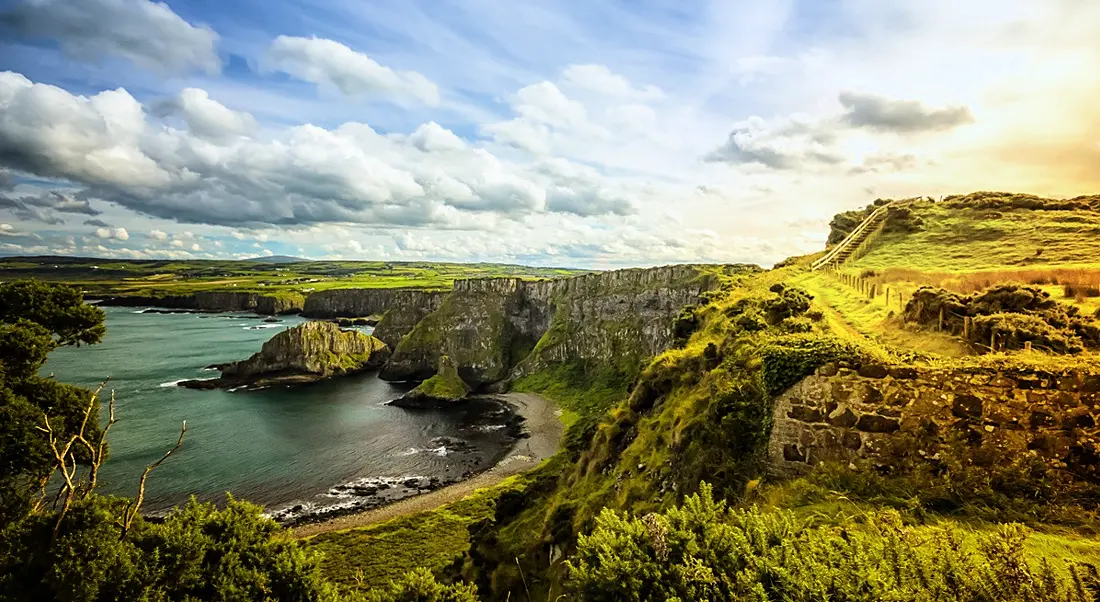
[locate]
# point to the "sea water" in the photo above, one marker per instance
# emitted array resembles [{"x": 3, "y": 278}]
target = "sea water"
[{"x": 277, "y": 447}]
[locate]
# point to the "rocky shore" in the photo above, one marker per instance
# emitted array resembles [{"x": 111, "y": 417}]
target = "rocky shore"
[
  {"x": 536, "y": 432},
  {"x": 306, "y": 353}
]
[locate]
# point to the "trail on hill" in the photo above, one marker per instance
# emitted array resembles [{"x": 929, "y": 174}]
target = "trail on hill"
[{"x": 543, "y": 422}]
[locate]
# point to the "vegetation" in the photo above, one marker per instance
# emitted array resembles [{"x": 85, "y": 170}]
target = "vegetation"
[
  {"x": 163, "y": 277},
  {"x": 445, "y": 385},
  {"x": 1006, "y": 317},
  {"x": 705, "y": 551}
]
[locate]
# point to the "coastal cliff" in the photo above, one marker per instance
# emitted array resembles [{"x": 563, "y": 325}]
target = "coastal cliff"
[
  {"x": 501, "y": 328},
  {"x": 401, "y": 308},
  {"x": 308, "y": 352},
  {"x": 267, "y": 304}
]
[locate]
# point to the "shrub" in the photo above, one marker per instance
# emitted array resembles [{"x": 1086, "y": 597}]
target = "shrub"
[
  {"x": 1013, "y": 330},
  {"x": 788, "y": 359},
  {"x": 1017, "y": 314},
  {"x": 789, "y": 303},
  {"x": 704, "y": 551}
]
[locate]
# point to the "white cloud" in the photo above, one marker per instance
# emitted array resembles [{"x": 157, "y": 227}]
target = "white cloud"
[
  {"x": 208, "y": 118},
  {"x": 113, "y": 233},
  {"x": 333, "y": 65},
  {"x": 601, "y": 80},
  {"x": 147, "y": 33},
  {"x": 158, "y": 235}
]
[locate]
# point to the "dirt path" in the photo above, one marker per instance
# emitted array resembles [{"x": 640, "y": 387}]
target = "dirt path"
[{"x": 543, "y": 422}]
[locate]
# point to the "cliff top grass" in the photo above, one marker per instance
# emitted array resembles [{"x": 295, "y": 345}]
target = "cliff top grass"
[{"x": 158, "y": 278}]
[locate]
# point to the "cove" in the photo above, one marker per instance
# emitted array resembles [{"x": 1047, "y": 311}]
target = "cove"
[{"x": 310, "y": 448}]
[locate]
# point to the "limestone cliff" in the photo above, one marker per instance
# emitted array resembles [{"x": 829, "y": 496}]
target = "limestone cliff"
[
  {"x": 401, "y": 308},
  {"x": 267, "y": 304},
  {"x": 308, "y": 352},
  {"x": 501, "y": 327}
]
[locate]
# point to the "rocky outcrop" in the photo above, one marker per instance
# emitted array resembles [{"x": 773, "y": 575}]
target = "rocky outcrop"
[
  {"x": 266, "y": 304},
  {"x": 494, "y": 328},
  {"x": 306, "y": 353},
  {"x": 886, "y": 415},
  {"x": 444, "y": 389},
  {"x": 400, "y": 308}
]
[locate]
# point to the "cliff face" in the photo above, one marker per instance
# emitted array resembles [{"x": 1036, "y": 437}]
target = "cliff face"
[
  {"x": 505, "y": 327},
  {"x": 401, "y": 308},
  {"x": 281, "y": 303}
]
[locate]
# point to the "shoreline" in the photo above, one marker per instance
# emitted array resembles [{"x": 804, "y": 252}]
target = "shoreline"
[{"x": 542, "y": 424}]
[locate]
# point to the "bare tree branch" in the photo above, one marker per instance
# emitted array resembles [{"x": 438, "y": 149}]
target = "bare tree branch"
[{"x": 135, "y": 505}]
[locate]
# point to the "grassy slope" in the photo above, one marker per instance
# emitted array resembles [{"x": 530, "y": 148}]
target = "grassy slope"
[
  {"x": 972, "y": 240},
  {"x": 372, "y": 556},
  {"x": 181, "y": 277}
]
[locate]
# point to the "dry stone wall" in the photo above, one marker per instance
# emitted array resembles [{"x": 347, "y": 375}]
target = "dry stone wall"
[{"x": 882, "y": 414}]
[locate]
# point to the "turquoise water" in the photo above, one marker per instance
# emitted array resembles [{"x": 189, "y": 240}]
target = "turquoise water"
[{"x": 277, "y": 446}]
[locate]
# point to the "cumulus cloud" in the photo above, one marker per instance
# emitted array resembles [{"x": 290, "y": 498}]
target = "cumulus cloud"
[
  {"x": 147, "y": 33},
  {"x": 331, "y": 64},
  {"x": 208, "y": 118},
  {"x": 158, "y": 235},
  {"x": 301, "y": 175},
  {"x": 113, "y": 234},
  {"x": 792, "y": 143},
  {"x": 884, "y": 114}
]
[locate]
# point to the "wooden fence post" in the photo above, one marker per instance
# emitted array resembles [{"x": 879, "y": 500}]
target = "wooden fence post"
[
  {"x": 1027, "y": 346},
  {"x": 993, "y": 342},
  {"x": 966, "y": 328},
  {"x": 941, "y": 318}
]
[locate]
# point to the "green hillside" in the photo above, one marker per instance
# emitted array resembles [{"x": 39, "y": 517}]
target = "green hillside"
[{"x": 702, "y": 413}]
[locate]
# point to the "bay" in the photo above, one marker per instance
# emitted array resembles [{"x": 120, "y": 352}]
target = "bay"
[{"x": 277, "y": 447}]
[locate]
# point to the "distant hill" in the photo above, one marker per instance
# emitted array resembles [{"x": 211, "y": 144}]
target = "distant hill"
[{"x": 277, "y": 259}]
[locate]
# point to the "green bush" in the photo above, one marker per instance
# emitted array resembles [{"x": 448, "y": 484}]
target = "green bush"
[
  {"x": 1017, "y": 314},
  {"x": 704, "y": 551},
  {"x": 790, "y": 358}
]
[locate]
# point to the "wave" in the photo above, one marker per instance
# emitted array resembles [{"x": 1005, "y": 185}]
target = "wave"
[
  {"x": 172, "y": 383},
  {"x": 440, "y": 451},
  {"x": 261, "y": 326}
]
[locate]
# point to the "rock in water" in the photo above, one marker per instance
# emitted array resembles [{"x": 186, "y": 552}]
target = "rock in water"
[
  {"x": 443, "y": 389},
  {"x": 306, "y": 353}
]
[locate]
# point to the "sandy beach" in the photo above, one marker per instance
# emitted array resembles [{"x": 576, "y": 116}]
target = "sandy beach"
[{"x": 542, "y": 421}]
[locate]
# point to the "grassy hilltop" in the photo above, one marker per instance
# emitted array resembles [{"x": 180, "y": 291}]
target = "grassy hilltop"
[
  {"x": 158, "y": 278},
  {"x": 701, "y": 412}
]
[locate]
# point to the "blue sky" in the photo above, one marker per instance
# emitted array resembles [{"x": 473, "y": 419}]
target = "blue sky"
[{"x": 600, "y": 134}]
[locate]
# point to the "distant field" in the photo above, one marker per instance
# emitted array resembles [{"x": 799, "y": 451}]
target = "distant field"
[{"x": 134, "y": 277}]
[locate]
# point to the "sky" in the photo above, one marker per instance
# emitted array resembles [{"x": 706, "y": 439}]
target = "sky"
[{"x": 594, "y": 134}]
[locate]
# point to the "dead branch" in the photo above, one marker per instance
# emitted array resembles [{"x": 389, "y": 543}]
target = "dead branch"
[{"x": 135, "y": 505}]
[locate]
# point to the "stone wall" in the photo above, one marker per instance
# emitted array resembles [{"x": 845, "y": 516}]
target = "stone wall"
[{"x": 880, "y": 414}]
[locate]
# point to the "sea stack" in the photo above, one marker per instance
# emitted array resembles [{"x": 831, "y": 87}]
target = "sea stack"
[
  {"x": 305, "y": 353},
  {"x": 444, "y": 389}
]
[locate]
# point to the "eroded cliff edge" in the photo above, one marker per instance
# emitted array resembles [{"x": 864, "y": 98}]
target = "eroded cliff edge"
[
  {"x": 401, "y": 308},
  {"x": 498, "y": 329}
]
